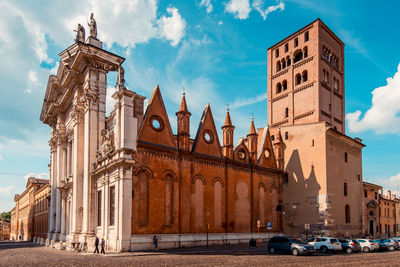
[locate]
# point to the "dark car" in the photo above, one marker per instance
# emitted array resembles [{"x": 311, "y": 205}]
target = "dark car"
[
  {"x": 294, "y": 246},
  {"x": 350, "y": 245},
  {"x": 387, "y": 244}
]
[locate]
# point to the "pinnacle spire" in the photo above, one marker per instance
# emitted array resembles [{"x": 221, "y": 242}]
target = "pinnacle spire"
[
  {"x": 183, "y": 106},
  {"x": 228, "y": 121},
  {"x": 252, "y": 127}
]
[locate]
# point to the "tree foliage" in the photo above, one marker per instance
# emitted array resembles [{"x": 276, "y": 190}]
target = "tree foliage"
[{"x": 6, "y": 216}]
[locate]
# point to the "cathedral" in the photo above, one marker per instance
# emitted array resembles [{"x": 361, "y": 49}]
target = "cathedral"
[{"x": 127, "y": 177}]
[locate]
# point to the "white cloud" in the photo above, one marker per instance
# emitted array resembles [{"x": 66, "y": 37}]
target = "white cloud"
[
  {"x": 7, "y": 191},
  {"x": 220, "y": 22},
  {"x": 207, "y": 4},
  {"x": 392, "y": 183},
  {"x": 383, "y": 115},
  {"x": 258, "y": 5},
  {"x": 240, "y": 8},
  {"x": 32, "y": 76},
  {"x": 172, "y": 28},
  {"x": 53, "y": 70},
  {"x": 241, "y": 102},
  {"x": 41, "y": 175}
]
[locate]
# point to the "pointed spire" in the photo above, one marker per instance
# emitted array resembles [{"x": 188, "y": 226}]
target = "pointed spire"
[
  {"x": 252, "y": 127},
  {"x": 279, "y": 137},
  {"x": 228, "y": 121},
  {"x": 183, "y": 106}
]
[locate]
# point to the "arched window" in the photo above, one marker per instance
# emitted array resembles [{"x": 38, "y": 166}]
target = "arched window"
[
  {"x": 305, "y": 52},
  {"x": 278, "y": 66},
  {"x": 298, "y": 55},
  {"x": 347, "y": 213},
  {"x": 278, "y": 88},
  {"x": 298, "y": 78},
  {"x": 305, "y": 76},
  {"x": 286, "y": 112},
  {"x": 288, "y": 61},
  {"x": 345, "y": 189},
  {"x": 283, "y": 62},
  {"x": 284, "y": 85}
]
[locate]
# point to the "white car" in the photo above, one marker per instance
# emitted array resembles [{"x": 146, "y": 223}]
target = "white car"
[
  {"x": 325, "y": 244},
  {"x": 368, "y": 245}
]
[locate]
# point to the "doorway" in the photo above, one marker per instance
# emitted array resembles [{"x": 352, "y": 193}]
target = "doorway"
[{"x": 371, "y": 227}]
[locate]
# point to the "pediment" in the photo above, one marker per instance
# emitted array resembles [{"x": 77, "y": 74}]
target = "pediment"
[
  {"x": 266, "y": 155},
  {"x": 206, "y": 141},
  {"x": 241, "y": 152},
  {"x": 372, "y": 204},
  {"x": 155, "y": 127}
]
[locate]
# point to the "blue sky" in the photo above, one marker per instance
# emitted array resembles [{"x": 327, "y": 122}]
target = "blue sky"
[{"x": 216, "y": 50}]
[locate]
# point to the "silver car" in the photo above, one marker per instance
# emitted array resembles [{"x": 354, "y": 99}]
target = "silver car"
[{"x": 368, "y": 245}]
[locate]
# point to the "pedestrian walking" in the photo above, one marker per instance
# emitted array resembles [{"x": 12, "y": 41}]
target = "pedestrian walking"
[
  {"x": 103, "y": 243},
  {"x": 155, "y": 241},
  {"x": 96, "y": 244}
]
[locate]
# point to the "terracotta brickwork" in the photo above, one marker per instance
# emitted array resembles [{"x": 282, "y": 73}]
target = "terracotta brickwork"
[
  {"x": 25, "y": 217},
  {"x": 307, "y": 67},
  {"x": 184, "y": 190},
  {"x": 306, "y": 112}
]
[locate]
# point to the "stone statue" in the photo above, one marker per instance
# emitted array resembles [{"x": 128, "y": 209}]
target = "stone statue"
[
  {"x": 93, "y": 27},
  {"x": 80, "y": 34},
  {"x": 106, "y": 146},
  {"x": 121, "y": 78}
]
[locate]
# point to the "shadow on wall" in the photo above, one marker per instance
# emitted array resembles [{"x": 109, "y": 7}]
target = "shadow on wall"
[{"x": 302, "y": 203}]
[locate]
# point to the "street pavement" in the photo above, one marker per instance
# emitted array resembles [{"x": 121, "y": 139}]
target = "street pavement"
[{"x": 28, "y": 254}]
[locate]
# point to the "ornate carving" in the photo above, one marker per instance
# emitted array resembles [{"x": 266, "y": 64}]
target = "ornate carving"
[
  {"x": 61, "y": 138},
  {"x": 70, "y": 135},
  {"x": 89, "y": 97},
  {"x": 80, "y": 34},
  {"x": 53, "y": 143},
  {"x": 106, "y": 146}
]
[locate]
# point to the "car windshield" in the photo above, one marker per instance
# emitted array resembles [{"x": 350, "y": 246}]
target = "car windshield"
[{"x": 298, "y": 241}]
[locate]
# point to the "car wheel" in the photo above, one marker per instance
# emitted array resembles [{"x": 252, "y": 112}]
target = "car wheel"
[
  {"x": 295, "y": 252},
  {"x": 324, "y": 249},
  {"x": 271, "y": 250},
  {"x": 366, "y": 249},
  {"x": 348, "y": 250},
  {"x": 391, "y": 248}
]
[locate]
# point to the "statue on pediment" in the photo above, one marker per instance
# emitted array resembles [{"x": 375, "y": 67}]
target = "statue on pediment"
[
  {"x": 106, "y": 145},
  {"x": 80, "y": 34},
  {"x": 121, "y": 76},
  {"x": 93, "y": 27}
]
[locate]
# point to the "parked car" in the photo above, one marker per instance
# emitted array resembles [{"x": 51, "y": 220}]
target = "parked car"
[
  {"x": 325, "y": 244},
  {"x": 368, "y": 245},
  {"x": 294, "y": 246},
  {"x": 397, "y": 240},
  {"x": 387, "y": 244},
  {"x": 350, "y": 245}
]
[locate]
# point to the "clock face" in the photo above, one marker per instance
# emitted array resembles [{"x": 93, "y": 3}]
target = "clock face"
[{"x": 267, "y": 153}]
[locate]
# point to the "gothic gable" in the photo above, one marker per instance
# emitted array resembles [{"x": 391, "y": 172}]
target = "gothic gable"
[
  {"x": 241, "y": 152},
  {"x": 206, "y": 141},
  {"x": 266, "y": 156},
  {"x": 155, "y": 127}
]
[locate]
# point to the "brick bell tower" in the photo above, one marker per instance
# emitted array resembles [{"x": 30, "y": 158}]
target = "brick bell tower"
[{"x": 306, "y": 78}]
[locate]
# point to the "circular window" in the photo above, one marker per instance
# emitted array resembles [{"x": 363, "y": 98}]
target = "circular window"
[
  {"x": 267, "y": 153},
  {"x": 208, "y": 136},
  {"x": 242, "y": 154},
  {"x": 156, "y": 123}
]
